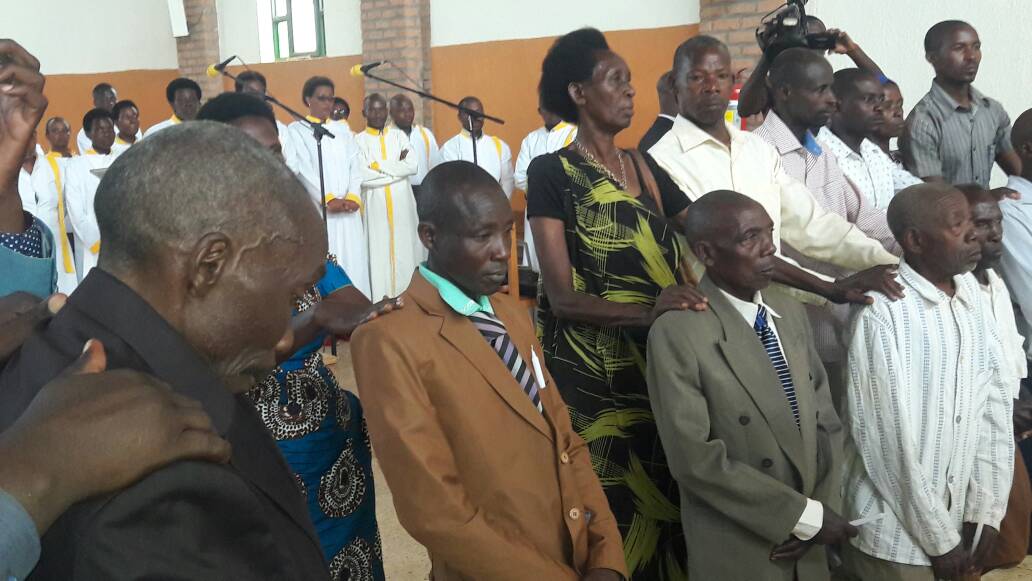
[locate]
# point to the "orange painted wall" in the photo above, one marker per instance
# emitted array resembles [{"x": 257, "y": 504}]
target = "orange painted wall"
[
  {"x": 71, "y": 95},
  {"x": 287, "y": 78},
  {"x": 505, "y": 75}
]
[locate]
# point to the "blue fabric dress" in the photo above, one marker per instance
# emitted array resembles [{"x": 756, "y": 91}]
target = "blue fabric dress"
[{"x": 321, "y": 431}]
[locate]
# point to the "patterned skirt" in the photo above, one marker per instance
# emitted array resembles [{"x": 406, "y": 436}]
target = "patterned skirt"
[{"x": 321, "y": 431}]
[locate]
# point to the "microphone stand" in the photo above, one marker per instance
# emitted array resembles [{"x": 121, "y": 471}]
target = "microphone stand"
[
  {"x": 469, "y": 112},
  {"x": 318, "y": 132}
]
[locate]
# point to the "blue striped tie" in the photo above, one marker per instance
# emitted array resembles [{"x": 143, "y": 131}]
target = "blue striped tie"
[
  {"x": 777, "y": 358},
  {"x": 497, "y": 336}
]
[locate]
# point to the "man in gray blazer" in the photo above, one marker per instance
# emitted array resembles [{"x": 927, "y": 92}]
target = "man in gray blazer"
[{"x": 744, "y": 411}]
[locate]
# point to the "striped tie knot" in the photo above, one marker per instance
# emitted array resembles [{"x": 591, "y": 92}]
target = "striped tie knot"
[
  {"x": 760, "y": 325},
  {"x": 488, "y": 325},
  {"x": 493, "y": 330}
]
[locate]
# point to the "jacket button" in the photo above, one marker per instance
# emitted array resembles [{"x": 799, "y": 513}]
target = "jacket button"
[
  {"x": 564, "y": 458},
  {"x": 744, "y": 420},
  {"x": 767, "y": 463},
  {"x": 574, "y": 513}
]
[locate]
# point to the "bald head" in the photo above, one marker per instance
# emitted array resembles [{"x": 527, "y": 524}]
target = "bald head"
[
  {"x": 170, "y": 190},
  {"x": 716, "y": 214},
  {"x": 1021, "y": 137},
  {"x": 915, "y": 207},
  {"x": 447, "y": 186}
]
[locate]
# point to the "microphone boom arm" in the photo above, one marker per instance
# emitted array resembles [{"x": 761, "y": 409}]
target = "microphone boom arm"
[{"x": 436, "y": 99}]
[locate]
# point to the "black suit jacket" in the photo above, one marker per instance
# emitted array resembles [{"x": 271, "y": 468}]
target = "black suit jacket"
[
  {"x": 191, "y": 520},
  {"x": 659, "y": 128}
]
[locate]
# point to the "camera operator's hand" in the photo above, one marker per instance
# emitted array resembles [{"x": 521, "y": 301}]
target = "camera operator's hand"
[{"x": 844, "y": 44}]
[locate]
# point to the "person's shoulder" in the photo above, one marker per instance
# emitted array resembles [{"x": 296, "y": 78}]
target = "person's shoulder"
[
  {"x": 547, "y": 162},
  {"x": 667, "y": 145},
  {"x": 686, "y": 327},
  {"x": 396, "y": 327}
]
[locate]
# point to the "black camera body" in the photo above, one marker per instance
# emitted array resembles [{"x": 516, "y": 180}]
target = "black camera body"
[{"x": 785, "y": 27}]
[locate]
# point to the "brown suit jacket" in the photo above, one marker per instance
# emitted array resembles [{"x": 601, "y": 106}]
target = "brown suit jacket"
[{"x": 493, "y": 488}]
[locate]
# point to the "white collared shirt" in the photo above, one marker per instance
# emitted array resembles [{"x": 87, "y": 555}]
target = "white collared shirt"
[
  {"x": 1003, "y": 312},
  {"x": 173, "y": 120},
  {"x": 493, "y": 155},
  {"x": 539, "y": 142},
  {"x": 930, "y": 438},
  {"x": 699, "y": 164},
  {"x": 812, "y": 519},
  {"x": 1016, "y": 264},
  {"x": 872, "y": 171}
]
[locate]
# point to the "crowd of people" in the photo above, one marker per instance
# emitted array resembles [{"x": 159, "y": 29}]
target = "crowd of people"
[{"x": 792, "y": 353}]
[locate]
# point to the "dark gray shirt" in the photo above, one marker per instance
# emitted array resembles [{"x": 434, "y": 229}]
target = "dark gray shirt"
[{"x": 960, "y": 144}]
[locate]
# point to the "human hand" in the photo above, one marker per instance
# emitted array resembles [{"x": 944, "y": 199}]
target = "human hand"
[
  {"x": 852, "y": 289},
  {"x": 351, "y": 206},
  {"x": 985, "y": 546},
  {"x": 1005, "y": 192},
  {"x": 679, "y": 297},
  {"x": 835, "y": 529},
  {"x": 89, "y": 431},
  {"x": 20, "y": 315},
  {"x": 337, "y": 205},
  {"x": 844, "y": 44},
  {"x": 602, "y": 575},
  {"x": 341, "y": 319},
  {"x": 791, "y": 550},
  {"x": 22, "y": 103},
  {"x": 953, "y": 564}
]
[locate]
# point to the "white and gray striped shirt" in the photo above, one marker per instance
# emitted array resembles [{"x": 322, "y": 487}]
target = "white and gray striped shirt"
[{"x": 930, "y": 441}]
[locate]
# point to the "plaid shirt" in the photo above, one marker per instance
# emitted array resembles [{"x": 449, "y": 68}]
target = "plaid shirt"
[{"x": 822, "y": 175}]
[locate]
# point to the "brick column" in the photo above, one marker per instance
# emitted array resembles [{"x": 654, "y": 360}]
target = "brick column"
[
  {"x": 398, "y": 31},
  {"x": 201, "y": 47},
  {"x": 735, "y": 22}
]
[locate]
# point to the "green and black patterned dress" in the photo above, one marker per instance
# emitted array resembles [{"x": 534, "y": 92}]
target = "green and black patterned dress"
[{"x": 621, "y": 249}]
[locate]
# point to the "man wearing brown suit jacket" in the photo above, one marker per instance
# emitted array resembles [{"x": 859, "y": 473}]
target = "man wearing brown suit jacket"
[
  {"x": 472, "y": 435},
  {"x": 744, "y": 411}
]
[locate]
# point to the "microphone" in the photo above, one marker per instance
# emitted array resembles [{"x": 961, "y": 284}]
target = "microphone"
[
  {"x": 361, "y": 70},
  {"x": 216, "y": 70}
]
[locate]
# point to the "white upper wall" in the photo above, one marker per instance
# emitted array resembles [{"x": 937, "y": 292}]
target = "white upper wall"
[
  {"x": 75, "y": 36},
  {"x": 245, "y": 29},
  {"x": 895, "y": 40},
  {"x": 462, "y": 22}
]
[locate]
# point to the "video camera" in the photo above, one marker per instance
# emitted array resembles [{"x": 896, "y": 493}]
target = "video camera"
[{"x": 785, "y": 27}]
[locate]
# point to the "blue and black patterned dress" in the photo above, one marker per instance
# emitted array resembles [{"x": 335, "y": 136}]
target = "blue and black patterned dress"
[{"x": 321, "y": 431}]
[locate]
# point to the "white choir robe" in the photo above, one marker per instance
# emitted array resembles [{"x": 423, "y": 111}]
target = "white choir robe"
[
  {"x": 80, "y": 191},
  {"x": 284, "y": 137},
  {"x": 424, "y": 147},
  {"x": 173, "y": 120},
  {"x": 389, "y": 210},
  {"x": 493, "y": 155},
  {"x": 84, "y": 143},
  {"x": 539, "y": 142},
  {"x": 342, "y": 172},
  {"x": 27, "y": 193},
  {"x": 48, "y": 179}
]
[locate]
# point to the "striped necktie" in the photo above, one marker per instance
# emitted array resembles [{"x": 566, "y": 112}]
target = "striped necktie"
[
  {"x": 494, "y": 332},
  {"x": 777, "y": 358}
]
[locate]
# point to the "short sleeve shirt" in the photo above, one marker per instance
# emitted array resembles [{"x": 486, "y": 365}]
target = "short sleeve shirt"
[{"x": 960, "y": 144}]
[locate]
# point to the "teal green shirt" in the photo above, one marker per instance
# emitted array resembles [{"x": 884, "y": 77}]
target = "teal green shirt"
[{"x": 453, "y": 296}]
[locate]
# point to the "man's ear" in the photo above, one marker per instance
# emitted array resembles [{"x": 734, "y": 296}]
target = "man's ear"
[
  {"x": 930, "y": 57},
  {"x": 427, "y": 234},
  {"x": 704, "y": 251},
  {"x": 208, "y": 262},
  {"x": 912, "y": 241}
]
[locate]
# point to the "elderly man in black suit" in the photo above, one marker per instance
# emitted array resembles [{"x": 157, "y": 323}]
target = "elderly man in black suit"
[{"x": 196, "y": 288}]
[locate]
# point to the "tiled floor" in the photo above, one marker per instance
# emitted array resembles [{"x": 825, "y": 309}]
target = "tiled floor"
[{"x": 406, "y": 560}]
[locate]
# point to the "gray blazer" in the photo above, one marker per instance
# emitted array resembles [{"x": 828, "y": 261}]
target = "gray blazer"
[{"x": 743, "y": 467}]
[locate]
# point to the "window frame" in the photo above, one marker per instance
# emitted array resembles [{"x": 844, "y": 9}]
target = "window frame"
[{"x": 320, "y": 31}]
